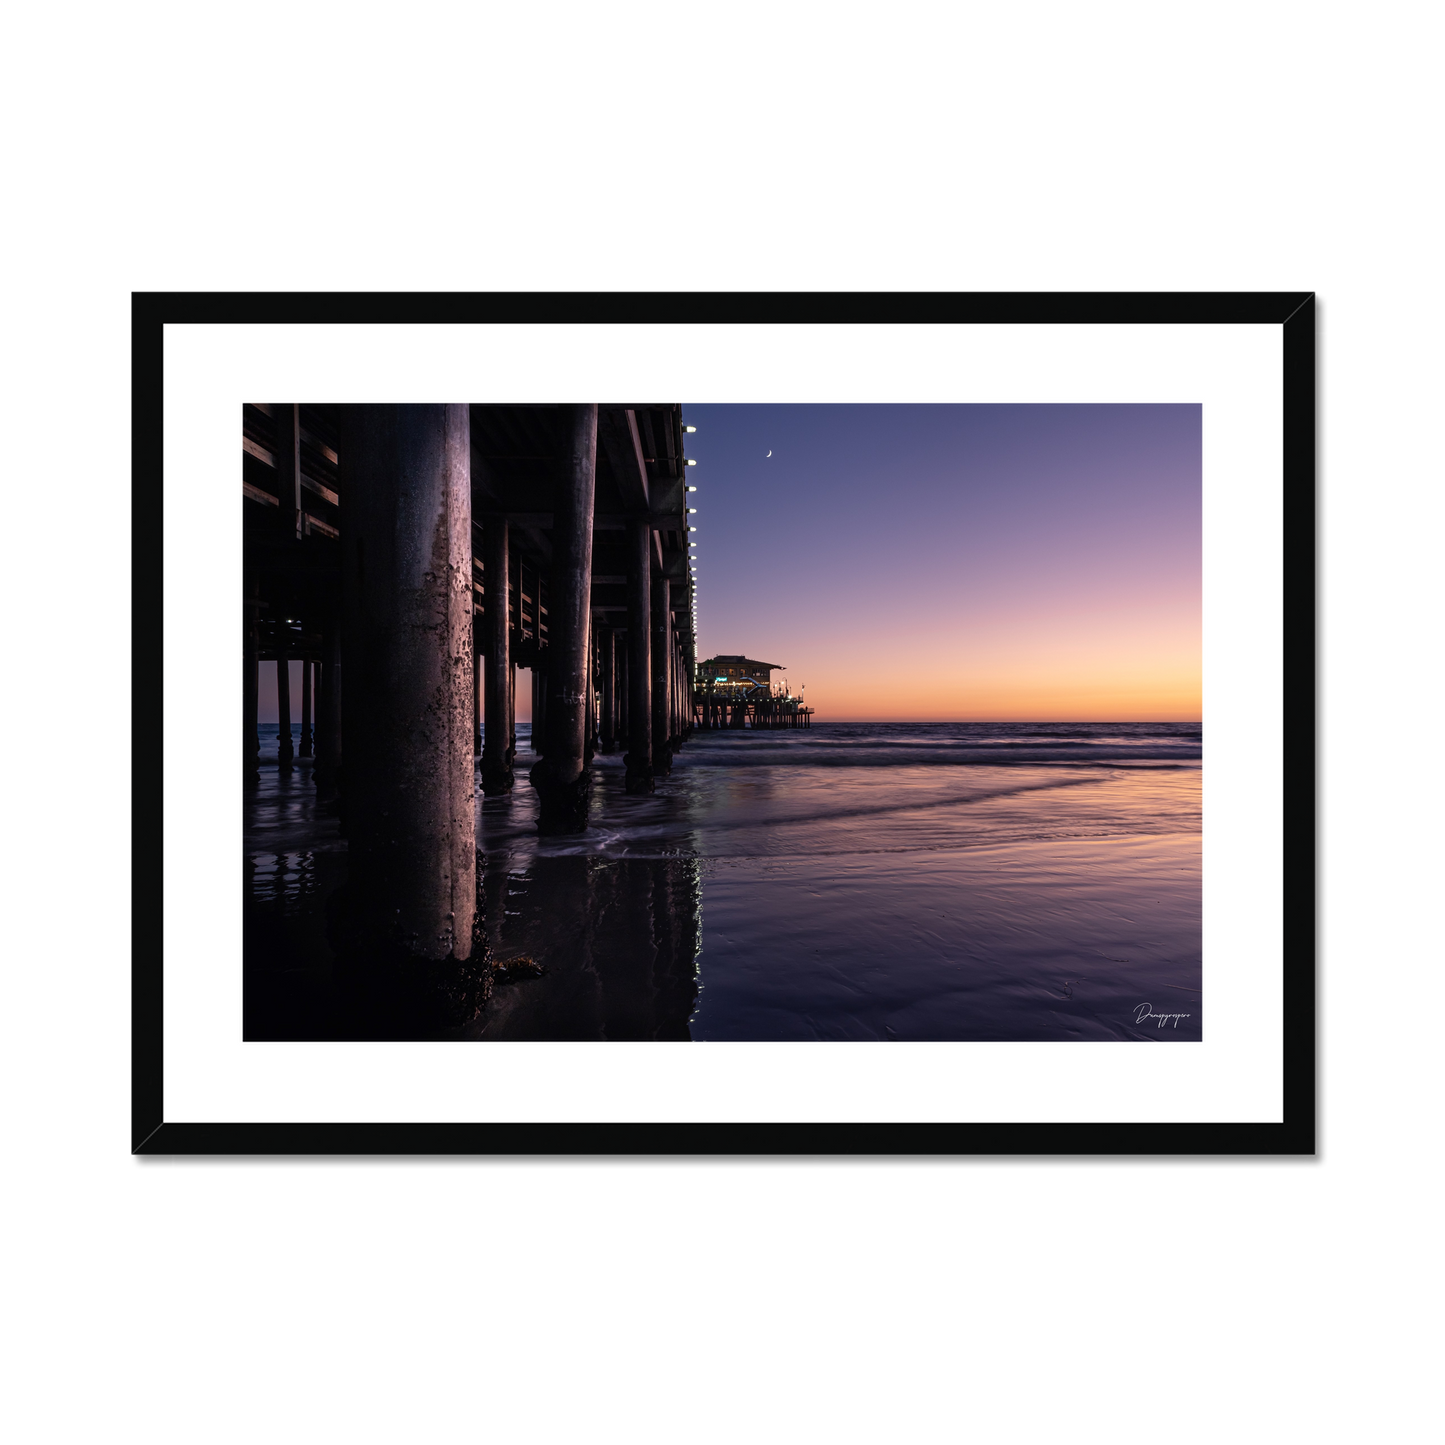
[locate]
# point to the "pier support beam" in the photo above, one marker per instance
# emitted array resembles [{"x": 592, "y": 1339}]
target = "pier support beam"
[
  {"x": 589, "y": 746},
  {"x": 250, "y": 688},
  {"x": 609, "y": 690},
  {"x": 619, "y": 656},
  {"x": 328, "y": 715},
  {"x": 496, "y": 765},
  {"x": 306, "y": 666},
  {"x": 661, "y": 677},
  {"x": 677, "y": 696},
  {"x": 671, "y": 698},
  {"x": 408, "y": 656},
  {"x": 479, "y": 666},
  {"x": 285, "y": 751},
  {"x": 639, "y": 657},
  {"x": 561, "y": 777}
]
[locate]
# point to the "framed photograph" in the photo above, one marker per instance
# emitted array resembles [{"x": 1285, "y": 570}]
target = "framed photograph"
[{"x": 721, "y": 723}]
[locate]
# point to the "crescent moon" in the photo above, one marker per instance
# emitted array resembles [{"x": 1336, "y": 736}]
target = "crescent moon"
[{"x": 770, "y": 452}]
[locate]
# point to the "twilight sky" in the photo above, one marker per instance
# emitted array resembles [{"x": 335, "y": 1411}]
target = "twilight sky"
[
  {"x": 952, "y": 563},
  {"x": 948, "y": 563}
]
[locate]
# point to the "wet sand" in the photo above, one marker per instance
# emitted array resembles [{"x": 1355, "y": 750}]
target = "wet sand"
[{"x": 891, "y": 884}]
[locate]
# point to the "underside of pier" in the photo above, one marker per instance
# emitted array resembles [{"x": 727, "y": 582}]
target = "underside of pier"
[{"x": 412, "y": 559}]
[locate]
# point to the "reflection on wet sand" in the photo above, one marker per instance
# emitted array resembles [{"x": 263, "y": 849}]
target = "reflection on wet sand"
[
  {"x": 618, "y": 941},
  {"x": 859, "y": 885}
]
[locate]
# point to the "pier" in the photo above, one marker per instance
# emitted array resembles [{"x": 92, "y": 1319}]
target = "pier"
[
  {"x": 563, "y": 550},
  {"x": 412, "y": 558},
  {"x": 733, "y": 692}
]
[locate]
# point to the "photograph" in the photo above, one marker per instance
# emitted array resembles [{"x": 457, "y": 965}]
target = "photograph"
[{"x": 720, "y": 722}]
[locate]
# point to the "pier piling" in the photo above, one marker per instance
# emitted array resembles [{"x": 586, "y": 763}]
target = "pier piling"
[
  {"x": 608, "y": 700},
  {"x": 408, "y": 657},
  {"x": 496, "y": 765},
  {"x": 305, "y": 749},
  {"x": 639, "y": 659},
  {"x": 619, "y": 656},
  {"x": 251, "y": 744},
  {"x": 479, "y": 668},
  {"x": 661, "y": 677},
  {"x": 561, "y": 776},
  {"x": 285, "y": 750},
  {"x": 328, "y": 714}
]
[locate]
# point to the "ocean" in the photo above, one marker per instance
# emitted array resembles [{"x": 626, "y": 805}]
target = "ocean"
[{"x": 886, "y": 881}]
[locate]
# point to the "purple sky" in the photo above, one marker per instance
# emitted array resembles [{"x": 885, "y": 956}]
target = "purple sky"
[
  {"x": 956, "y": 562},
  {"x": 949, "y": 562}
]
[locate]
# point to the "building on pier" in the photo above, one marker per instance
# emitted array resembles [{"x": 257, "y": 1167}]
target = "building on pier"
[
  {"x": 730, "y": 673},
  {"x": 733, "y": 691}
]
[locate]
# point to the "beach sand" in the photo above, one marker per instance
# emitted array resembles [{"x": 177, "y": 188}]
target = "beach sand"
[{"x": 890, "y": 882}]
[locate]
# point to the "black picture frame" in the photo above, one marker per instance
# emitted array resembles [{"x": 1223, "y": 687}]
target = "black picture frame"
[{"x": 1294, "y": 312}]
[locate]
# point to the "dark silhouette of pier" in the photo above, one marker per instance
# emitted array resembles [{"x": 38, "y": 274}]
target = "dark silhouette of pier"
[
  {"x": 731, "y": 691},
  {"x": 412, "y": 558}
]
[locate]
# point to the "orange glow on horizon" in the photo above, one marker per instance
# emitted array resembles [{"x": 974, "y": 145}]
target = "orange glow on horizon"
[
  {"x": 1088, "y": 669},
  {"x": 958, "y": 563},
  {"x": 1122, "y": 699}
]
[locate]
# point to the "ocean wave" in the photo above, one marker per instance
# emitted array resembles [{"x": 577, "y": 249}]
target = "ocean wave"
[
  {"x": 882, "y": 758},
  {"x": 779, "y": 818},
  {"x": 772, "y": 851}
]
